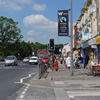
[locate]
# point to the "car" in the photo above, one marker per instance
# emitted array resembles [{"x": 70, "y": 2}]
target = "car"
[
  {"x": 26, "y": 60},
  {"x": 11, "y": 60},
  {"x": 33, "y": 60},
  {"x": 45, "y": 59},
  {"x": 40, "y": 58}
]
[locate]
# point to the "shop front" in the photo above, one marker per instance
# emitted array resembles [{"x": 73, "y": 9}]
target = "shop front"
[
  {"x": 86, "y": 49},
  {"x": 98, "y": 48},
  {"x": 79, "y": 49},
  {"x": 93, "y": 51}
]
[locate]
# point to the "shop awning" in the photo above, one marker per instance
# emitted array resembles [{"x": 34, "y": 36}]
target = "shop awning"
[{"x": 86, "y": 46}]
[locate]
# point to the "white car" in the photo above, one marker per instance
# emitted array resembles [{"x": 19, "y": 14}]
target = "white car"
[
  {"x": 11, "y": 60},
  {"x": 26, "y": 60},
  {"x": 33, "y": 60}
]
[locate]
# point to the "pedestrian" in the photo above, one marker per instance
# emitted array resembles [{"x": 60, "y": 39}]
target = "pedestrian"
[
  {"x": 56, "y": 64},
  {"x": 68, "y": 63},
  {"x": 61, "y": 60},
  {"x": 86, "y": 61},
  {"x": 64, "y": 59}
]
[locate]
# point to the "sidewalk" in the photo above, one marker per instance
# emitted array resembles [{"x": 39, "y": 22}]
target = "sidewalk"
[{"x": 52, "y": 88}]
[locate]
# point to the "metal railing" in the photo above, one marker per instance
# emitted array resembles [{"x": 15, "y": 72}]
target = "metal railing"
[{"x": 43, "y": 68}]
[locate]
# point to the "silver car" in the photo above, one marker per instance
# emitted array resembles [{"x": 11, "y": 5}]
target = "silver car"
[
  {"x": 11, "y": 60},
  {"x": 26, "y": 60}
]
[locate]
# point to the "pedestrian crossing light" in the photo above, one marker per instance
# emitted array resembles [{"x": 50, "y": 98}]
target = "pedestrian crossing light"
[{"x": 52, "y": 44}]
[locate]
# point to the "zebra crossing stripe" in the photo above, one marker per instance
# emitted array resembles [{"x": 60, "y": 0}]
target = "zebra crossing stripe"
[{"x": 72, "y": 94}]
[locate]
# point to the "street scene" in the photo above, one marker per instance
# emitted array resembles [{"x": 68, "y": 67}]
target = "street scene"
[{"x": 50, "y": 50}]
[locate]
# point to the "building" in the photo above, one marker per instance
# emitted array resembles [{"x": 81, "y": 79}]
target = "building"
[{"x": 87, "y": 29}]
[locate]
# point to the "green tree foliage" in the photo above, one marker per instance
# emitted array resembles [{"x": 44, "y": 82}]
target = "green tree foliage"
[
  {"x": 9, "y": 33},
  {"x": 38, "y": 45}
]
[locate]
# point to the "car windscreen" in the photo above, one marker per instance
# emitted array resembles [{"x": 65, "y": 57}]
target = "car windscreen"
[
  {"x": 33, "y": 58},
  {"x": 10, "y": 58},
  {"x": 26, "y": 58},
  {"x": 45, "y": 58}
]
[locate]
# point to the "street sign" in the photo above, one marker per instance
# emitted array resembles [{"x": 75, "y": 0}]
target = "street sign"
[{"x": 63, "y": 29}]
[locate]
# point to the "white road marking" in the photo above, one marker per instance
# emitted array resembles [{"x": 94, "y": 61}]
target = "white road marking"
[
  {"x": 58, "y": 82},
  {"x": 21, "y": 97},
  {"x": 72, "y": 94},
  {"x": 21, "y": 80},
  {"x": 23, "y": 92}
]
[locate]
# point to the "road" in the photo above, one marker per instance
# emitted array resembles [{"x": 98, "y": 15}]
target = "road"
[
  {"x": 11, "y": 76},
  {"x": 84, "y": 94}
]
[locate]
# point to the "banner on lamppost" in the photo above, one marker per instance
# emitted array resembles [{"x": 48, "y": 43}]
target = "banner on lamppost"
[{"x": 63, "y": 29}]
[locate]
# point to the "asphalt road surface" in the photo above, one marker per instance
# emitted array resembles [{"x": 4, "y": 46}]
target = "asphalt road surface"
[{"x": 11, "y": 78}]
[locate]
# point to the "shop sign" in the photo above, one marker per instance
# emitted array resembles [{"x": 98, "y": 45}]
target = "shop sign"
[
  {"x": 78, "y": 46},
  {"x": 86, "y": 43},
  {"x": 92, "y": 41},
  {"x": 84, "y": 36},
  {"x": 93, "y": 46},
  {"x": 98, "y": 40}
]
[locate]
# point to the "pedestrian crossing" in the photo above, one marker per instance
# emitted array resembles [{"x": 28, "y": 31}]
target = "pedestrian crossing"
[{"x": 82, "y": 93}]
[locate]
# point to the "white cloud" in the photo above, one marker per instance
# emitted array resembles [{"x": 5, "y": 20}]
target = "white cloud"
[
  {"x": 9, "y": 5},
  {"x": 32, "y": 32},
  {"x": 40, "y": 21},
  {"x": 39, "y": 7},
  {"x": 14, "y": 6},
  {"x": 3, "y": 4},
  {"x": 24, "y": 1},
  {"x": 30, "y": 39}
]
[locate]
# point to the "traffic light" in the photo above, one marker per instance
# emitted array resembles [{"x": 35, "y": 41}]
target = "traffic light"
[{"x": 52, "y": 44}]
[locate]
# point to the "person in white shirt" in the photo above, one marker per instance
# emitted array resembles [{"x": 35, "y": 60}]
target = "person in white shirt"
[{"x": 68, "y": 63}]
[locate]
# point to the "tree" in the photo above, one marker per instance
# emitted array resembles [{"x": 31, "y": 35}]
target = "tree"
[{"x": 9, "y": 32}]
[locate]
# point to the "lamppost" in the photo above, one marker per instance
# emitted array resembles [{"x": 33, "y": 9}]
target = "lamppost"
[{"x": 71, "y": 39}]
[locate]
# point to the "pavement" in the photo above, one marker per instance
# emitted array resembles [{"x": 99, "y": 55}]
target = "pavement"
[{"x": 53, "y": 86}]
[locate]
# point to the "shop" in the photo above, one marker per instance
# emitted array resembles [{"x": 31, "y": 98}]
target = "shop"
[
  {"x": 98, "y": 48},
  {"x": 86, "y": 49},
  {"x": 79, "y": 49},
  {"x": 94, "y": 50}
]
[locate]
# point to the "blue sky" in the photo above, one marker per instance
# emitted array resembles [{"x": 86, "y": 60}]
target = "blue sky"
[{"x": 38, "y": 19}]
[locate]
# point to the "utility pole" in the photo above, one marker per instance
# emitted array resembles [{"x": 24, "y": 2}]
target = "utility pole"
[{"x": 71, "y": 39}]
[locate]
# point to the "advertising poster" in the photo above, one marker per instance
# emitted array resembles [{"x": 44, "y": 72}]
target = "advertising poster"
[{"x": 63, "y": 23}]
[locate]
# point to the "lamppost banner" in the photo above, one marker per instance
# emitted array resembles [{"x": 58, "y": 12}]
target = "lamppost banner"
[{"x": 63, "y": 23}]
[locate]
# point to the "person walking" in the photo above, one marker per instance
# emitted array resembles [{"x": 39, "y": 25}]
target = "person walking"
[
  {"x": 68, "y": 63},
  {"x": 64, "y": 59},
  {"x": 61, "y": 60},
  {"x": 86, "y": 60},
  {"x": 56, "y": 64}
]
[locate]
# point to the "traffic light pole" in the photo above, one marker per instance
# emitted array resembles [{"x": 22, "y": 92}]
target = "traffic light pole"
[{"x": 71, "y": 39}]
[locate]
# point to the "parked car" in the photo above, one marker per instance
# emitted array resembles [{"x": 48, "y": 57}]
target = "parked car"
[
  {"x": 33, "y": 60},
  {"x": 45, "y": 59},
  {"x": 11, "y": 60},
  {"x": 26, "y": 60}
]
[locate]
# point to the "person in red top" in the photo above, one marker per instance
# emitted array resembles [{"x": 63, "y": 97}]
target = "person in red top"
[{"x": 56, "y": 64}]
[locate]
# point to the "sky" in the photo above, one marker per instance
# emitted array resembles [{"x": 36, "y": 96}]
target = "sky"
[{"x": 38, "y": 19}]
